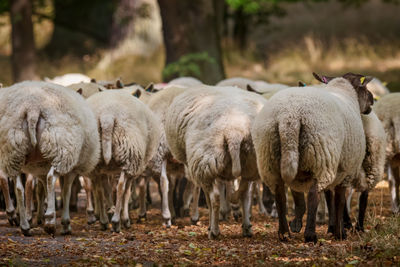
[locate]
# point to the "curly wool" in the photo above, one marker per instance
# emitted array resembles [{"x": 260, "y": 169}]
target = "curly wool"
[
  {"x": 61, "y": 124},
  {"x": 310, "y": 134}
]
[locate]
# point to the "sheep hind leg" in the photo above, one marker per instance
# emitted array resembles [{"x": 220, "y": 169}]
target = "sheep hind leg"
[
  {"x": 187, "y": 198},
  {"x": 19, "y": 192},
  {"x": 340, "y": 202},
  {"x": 126, "y": 222},
  {"x": 213, "y": 199},
  {"x": 50, "y": 215},
  {"x": 246, "y": 199},
  {"x": 346, "y": 218},
  {"x": 66, "y": 196},
  {"x": 86, "y": 183},
  {"x": 195, "y": 205},
  {"x": 363, "y": 202},
  {"x": 312, "y": 206},
  {"x": 98, "y": 187},
  {"x": 225, "y": 201},
  {"x": 280, "y": 199},
  {"x": 10, "y": 210},
  {"x": 116, "y": 219},
  {"x": 394, "y": 182},
  {"x": 165, "y": 195},
  {"x": 29, "y": 187},
  {"x": 142, "y": 199},
  {"x": 331, "y": 210},
  {"x": 300, "y": 208}
]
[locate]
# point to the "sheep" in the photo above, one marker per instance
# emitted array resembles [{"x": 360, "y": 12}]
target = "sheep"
[
  {"x": 185, "y": 81},
  {"x": 162, "y": 163},
  {"x": 116, "y": 84},
  {"x": 388, "y": 111},
  {"x": 47, "y": 130},
  {"x": 68, "y": 79},
  {"x": 130, "y": 134},
  {"x": 312, "y": 139},
  {"x": 10, "y": 209},
  {"x": 377, "y": 88},
  {"x": 86, "y": 89},
  {"x": 208, "y": 129},
  {"x": 239, "y": 82}
]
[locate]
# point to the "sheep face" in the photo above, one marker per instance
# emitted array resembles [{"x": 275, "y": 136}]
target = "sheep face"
[{"x": 365, "y": 97}]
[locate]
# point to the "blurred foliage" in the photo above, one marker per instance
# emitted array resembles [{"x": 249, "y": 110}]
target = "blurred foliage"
[{"x": 187, "y": 65}]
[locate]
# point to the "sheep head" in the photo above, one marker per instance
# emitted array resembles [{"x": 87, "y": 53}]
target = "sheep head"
[{"x": 359, "y": 83}]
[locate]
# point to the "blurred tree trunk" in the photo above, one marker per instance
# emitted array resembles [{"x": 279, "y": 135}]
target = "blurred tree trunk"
[
  {"x": 23, "y": 43},
  {"x": 191, "y": 27},
  {"x": 94, "y": 23}
]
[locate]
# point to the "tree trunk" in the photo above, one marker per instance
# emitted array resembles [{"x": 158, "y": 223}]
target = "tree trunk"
[
  {"x": 190, "y": 28},
  {"x": 23, "y": 43}
]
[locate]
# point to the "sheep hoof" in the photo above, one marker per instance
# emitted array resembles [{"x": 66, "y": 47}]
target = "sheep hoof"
[
  {"x": 91, "y": 217},
  {"x": 194, "y": 221},
  {"x": 246, "y": 231},
  {"x": 310, "y": 237},
  {"x": 185, "y": 213},
  {"x": 167, "y": 223},
  {"x": 284, "y": 237},
  {"x": 126, "y": 223},
  {"x": 341, "y": 235},
  {"x": 39, "y": 221},
  {"x": 348, "y": 225},
  {"x": 103, "y": 226},
  {"x": 213, "y": 236},
  {"x": 236, "y": 216},
  {"x": 331, "y": 229},
  {"x": 295, "y": 226},
  {"x": 30, "y": 221},
  {"x": 224, "y": 216},
  {"x": 116, "y": 226},
  {"x": 12, "y": 218},
  {"x": 26, "y": 232},
  {"x": 142, "y": 218},
  {"x": 50, "y": 228},
  {"x": 359, "y": 228},
  {"x": 66, "y": 230}
]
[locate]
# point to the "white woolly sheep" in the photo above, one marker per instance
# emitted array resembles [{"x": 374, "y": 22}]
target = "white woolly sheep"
[
  {"x": 377, "y": 88},
  {"x": 86, "y": 89},
  {"x": 312, "y": 139},
  {"x": 129, "y": 134},
  {"x": 185, "y": 81},
  {"x": 47, "y": 130},
  {"x": 68, "y": 79},
  {"x": 208, "y": 129},
  {"x": 388, "y": 111}
]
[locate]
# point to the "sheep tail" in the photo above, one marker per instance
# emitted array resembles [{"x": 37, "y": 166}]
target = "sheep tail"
[
  {"x": 234, "y": 151},
  {"x": 107, "y": 128},
  {"x": 289, "y": 131},
  {"x": 32, "y": 118}
]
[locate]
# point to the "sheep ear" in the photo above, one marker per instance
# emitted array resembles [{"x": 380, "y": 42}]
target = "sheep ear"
[
  {"x": 100, "y": 90},
  {"x": 322, "y": 78},
  {"x": 93, "y": 80},
  {"x": 149, "y": 88},
  {"x": 79, "y": 91},
  {"x": 366, "y": 80},
  {"x": 120, "y": 84},
  {"x": 251, "y": 89},
  {"x": 302, "y": 84},
  {"x": 137, "y": 93}
]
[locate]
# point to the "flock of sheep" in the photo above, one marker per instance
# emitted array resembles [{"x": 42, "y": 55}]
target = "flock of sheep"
[{"x": 225, "y": 139}]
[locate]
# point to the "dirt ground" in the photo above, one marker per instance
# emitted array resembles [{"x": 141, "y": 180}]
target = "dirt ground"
[{"x": 151, "y": 244}]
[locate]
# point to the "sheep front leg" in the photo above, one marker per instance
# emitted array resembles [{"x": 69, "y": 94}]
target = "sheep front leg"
[
  {"x": 19, "y": 192},
  {"x": 280, "y": 199},
  {"x": 331, "y": 210},
  {"x": 40, "y": 194},
  {"x": 50, "y": 215},
  {"x": 29, "y": 186},
  {"x": 164, "y": 184},
  {"x": 299, "y": 210},
  {"x": 195, "y": 205},
  {"x": 340, "y": 202},
  {"x": 213, "y": 198},
  {"x": 66, "y": 196},
  {"x": 126, "y": 222},
  {"x": 394, "y": 182},
  {"x": 142, "y": 199},
  {"x": 86, "y": 183},
  {"x": 10, "y": 210},
  {"x": 245, "y": 190},
  {"x": 116, "y": 219},
  {"x": 363, "y": 202},
  {"x": 312, "y": 207}
]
